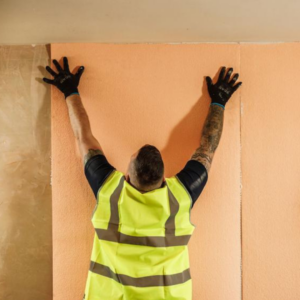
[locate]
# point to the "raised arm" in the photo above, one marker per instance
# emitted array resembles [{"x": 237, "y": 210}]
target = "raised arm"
[
  {"x": 212, "y": 130},
  {"x": 68, "y": 83},
  {"x": 211, "y": 136},
  {"x": 87, "y": 143}
]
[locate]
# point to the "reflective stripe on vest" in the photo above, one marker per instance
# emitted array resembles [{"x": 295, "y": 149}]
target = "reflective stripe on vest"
[{"x": 140, "y": 243}]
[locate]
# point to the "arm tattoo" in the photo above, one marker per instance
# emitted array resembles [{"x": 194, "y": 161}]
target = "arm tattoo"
[
  {"x": 91, "y": 153},
  {"x": 205, "y": 159},
  {"x": 211, "y": 136},
  {"x": 212, "y": 129}
]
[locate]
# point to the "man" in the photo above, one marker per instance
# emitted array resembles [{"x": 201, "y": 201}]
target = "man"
[{"x": 142, "y": 219}]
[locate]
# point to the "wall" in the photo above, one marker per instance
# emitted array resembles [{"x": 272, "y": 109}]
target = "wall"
[
  {"x": 25, "y": 190},
  {"x": 270, "y": 138},
  {"x": 156, "y": 94}
]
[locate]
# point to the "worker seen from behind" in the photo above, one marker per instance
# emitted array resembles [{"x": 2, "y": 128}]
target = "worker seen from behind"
[{"x": 142, "y": 219}]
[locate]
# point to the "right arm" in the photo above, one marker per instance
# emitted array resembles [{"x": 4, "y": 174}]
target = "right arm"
[
  {"x": 220, "y": 93},
  {"x": 211, "y": 136},
  {"x": 195, "y": 175}
]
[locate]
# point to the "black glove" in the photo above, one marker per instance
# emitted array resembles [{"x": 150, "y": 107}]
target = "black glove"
[
  {"x": 223, "y": 89},
  {"x": 65, "y": 81}
]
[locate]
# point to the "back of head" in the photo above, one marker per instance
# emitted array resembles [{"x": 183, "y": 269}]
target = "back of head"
[{"x": 148, "y": 167}]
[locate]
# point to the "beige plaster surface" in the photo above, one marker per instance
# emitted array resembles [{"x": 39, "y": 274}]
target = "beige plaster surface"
[{"x": 25, "y": 190}]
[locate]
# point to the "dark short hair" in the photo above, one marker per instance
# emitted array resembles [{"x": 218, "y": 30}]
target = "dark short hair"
[{"x": 148, "y": 166}]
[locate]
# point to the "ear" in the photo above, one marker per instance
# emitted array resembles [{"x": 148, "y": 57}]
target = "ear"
[{"x": 127, "y": 177}]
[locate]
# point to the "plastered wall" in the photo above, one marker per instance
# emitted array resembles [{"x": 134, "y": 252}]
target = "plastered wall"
[
  {"x": 25, "y": 190},
  {"x": 248, "y": 213}
]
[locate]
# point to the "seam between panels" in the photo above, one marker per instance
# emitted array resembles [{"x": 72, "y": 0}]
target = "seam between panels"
[{"x": 241, "y": 186}]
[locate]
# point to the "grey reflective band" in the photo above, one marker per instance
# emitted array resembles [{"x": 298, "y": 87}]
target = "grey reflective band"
[
  {"x": 155, "y": 280},
  {"x": 112, "y": 234}
]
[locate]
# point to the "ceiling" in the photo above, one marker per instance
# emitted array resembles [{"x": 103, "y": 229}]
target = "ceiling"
[{"x": 148, "y": 21}]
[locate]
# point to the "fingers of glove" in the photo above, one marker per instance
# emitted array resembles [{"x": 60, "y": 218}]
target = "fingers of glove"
[
  {"x": 79, "y": 73},
  {"x": 237, "y": 86},
  {"x": 209, "y": 82},
  {"x": 57, "y": 65},
  {"x": 48, "y": 80},
  {"x": 66, "y": 65},
  {"x": 227, "y": 77},
  {"x": 234, "y": 79},
  {"x": 51, "y": 71},
  {"x": 220, "y": 79}
]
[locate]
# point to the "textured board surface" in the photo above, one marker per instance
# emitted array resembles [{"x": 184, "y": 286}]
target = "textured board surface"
[
  {"x": 25, "y": 190},
  {"x": 156, "y": 94},
  {"x": 270, "y": 134}
]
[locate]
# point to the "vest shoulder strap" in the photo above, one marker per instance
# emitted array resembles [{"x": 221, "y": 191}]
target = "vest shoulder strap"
[{"x": 181, "y": 194}]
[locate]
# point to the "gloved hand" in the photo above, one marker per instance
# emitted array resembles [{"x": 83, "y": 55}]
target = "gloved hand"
[
  {"x": 223, "y": 89},
  {"x": 65, "y": 81}
]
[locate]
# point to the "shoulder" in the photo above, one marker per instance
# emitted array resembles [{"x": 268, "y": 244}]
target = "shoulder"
[
  {"x": 92, "y": 153},
  {"x": 97, "y": 169},
  {"x": 194, "y": 169},
  {"x": 97, "y": 163},
  {"x": 193, "y": 177}
]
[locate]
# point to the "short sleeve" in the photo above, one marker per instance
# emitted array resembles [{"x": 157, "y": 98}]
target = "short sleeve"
[
  {"x": 194, "y": 177},
  {"x": 96, "y": 170}
]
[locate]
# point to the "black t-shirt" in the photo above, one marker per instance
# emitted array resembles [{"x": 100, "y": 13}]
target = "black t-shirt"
[{"x": 193, "y": 176}]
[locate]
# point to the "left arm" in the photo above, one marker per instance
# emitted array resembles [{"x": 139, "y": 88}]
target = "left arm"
[{"x": 87, "y": 143}]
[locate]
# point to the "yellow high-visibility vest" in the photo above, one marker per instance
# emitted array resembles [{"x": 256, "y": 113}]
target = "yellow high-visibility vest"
[{"x": 140, "y": 244}]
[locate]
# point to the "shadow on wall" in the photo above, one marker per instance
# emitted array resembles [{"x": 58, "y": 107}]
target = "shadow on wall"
[{"x": 185, "y": 134}]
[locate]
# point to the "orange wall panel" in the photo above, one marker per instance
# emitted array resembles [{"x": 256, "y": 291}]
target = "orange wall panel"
[
  {"x": 271, "y": 171},
  {"x": 156, "y": 93}
]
